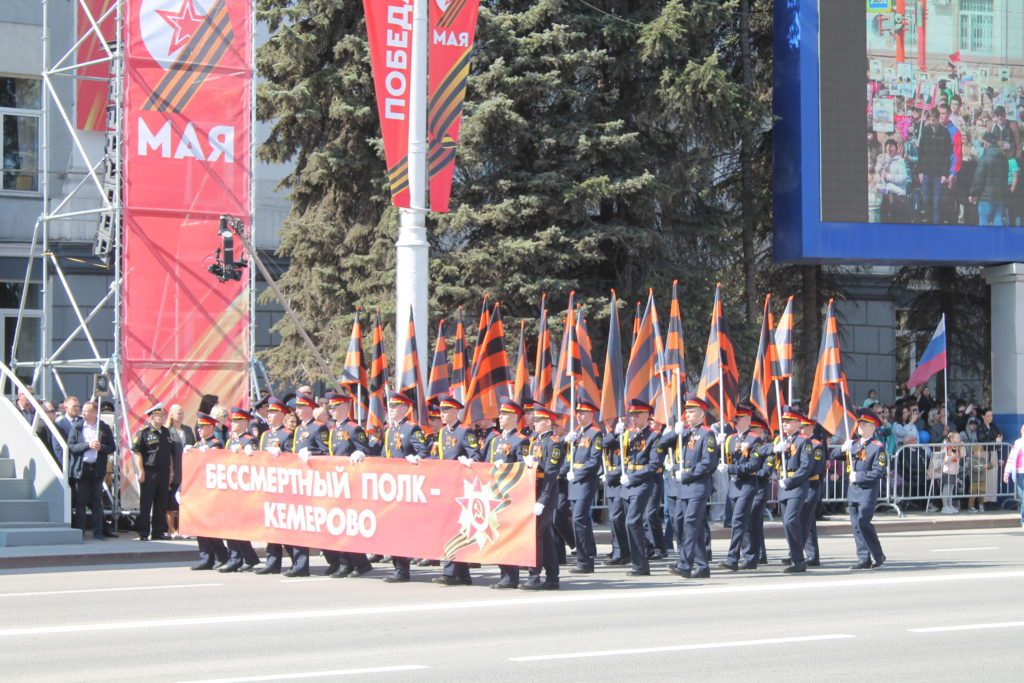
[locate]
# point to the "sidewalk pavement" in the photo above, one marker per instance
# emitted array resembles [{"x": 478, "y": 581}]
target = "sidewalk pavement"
[{"x": 126, "y": 549}]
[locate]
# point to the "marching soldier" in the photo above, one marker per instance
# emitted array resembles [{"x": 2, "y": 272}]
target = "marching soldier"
[
  {"x": 455, "y": 442},
  {"x": 403, "y": 439},
  {"x": 546, "y": 455},
  {"x": 309, "y": 438},
  {"x": 507, "y": 447},
  {"x": 617, "y": 505},
  {"x": 867, "y": 468},
  {"x": 241, "y": 555},
  {"x": 819, "y": 460},
  {"x": 654, "y": 515},
  {"x": 152, "y": 449},
  {"x": 586, "y": 449},
  {"x": 695, "y": 463},
  {"x": 757, "y": 553},
  {"x": 746, "y": 452},
  {"x": 347, "y": 437},
  {"x": 275, "y": 440},
  {"x": 212, "y": 551},
  {"x": 795, "y": 466}
]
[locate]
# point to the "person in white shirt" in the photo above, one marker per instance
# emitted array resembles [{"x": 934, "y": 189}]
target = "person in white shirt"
[{"x": 89, "y": 444}]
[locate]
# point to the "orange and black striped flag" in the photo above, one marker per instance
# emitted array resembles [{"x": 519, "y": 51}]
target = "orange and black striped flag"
[
  {"x": 830, "y": 400},
  {"x": 353, "y": 375},
  {"x": 782, "y": 361},
  {"x": 377, "y": 415},
  {"x": 521, "y": 390},
  {"x": 762, "y": 389},
  {"x": 490, "y": 383},
  {"x": 720, "y": 377},
  {"x": 568, "y": 363},
  {"x": 439, "y": 382},
  {"x": 586, "y": 381},
  {"x": 675, "y": 349},
  {"x": 410, "y": 379},
  {"x": 481, "y": 332},
  {"x": 640, "y": 374},
  {"x": 613, "y": 405},
  {"x": 636, "y": 325},
  {"x": 542, "y": 368},
  {"x": 460, "y": 365}
]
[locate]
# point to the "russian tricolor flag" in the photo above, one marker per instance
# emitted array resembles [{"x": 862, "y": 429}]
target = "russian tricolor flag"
[{"x": 934, "y": 358}]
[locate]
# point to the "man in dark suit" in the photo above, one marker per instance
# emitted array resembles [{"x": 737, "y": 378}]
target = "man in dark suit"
[
  {"x": 71, "y": 418},
  {"x": 90, "y": 442}
]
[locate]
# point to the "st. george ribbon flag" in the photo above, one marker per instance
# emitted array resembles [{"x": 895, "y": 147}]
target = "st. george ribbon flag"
[{"x": 435, "y": 510}]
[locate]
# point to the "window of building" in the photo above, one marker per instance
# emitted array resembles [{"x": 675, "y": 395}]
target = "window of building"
[
  {"x": 977, "y": 19},
  {"x": 30, "y": 336},
  {"x": 20, "y": 102}
]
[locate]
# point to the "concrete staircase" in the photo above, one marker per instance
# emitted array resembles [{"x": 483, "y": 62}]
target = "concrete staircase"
[{"x": 25, "y": 520}]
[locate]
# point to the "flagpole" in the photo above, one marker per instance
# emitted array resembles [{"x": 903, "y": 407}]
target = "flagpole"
[
  {"x": 945, "y": 378},
  {"x": 778, "y": 405},
  {"x": 359, "y": 405}
]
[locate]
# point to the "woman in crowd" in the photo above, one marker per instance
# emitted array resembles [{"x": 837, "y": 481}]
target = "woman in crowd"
[{"x": 181, "y": 436}]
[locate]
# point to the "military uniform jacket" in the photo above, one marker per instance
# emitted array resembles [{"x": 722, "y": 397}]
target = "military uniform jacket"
[
  {"x": 155, "y": 446},
  {"x": 311, "y": 436},
  {"x": 745, "y": 461},
  {"x": 869, "y": 461},
  {"x": 407, "y": 438},
  {"x": 243, "y": 440},
  {"x": 506, "y": 447},
  {"x": 819, "y": 459},
  {"x": 644, "y": 454},
  {"x": 256, "y": 428},
  {"x": 212, "y": 442},
  {"x": 696, "y": 462},
  {"x": 612, "y": 466},
  {"x": 796, "y": 467},
  {"x": 586, "y": 460},
  {"x": 457, "y": 441},
  {"x": 280, "y": 437},
  {"x": 549, "y": 452},
  {"x": 348, "y": 437}
]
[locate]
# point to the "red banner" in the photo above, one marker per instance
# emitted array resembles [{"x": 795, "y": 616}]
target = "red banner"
[
  {"x": 188, "y": 93},
  {"x": 389, "y": 29},
  {"x": 91, "y": 96},
  {"x": 452, "y": 29},
  {"x": 435, "y": 510}
]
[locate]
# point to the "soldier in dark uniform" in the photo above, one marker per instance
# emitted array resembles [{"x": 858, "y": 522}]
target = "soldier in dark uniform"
[
  {"x": 275, "y": 440},
  {"x": 258, "y": 423},
  {"x": 795, "y": 466},
  {"x": 746, "y": 452},
  {"x": 403, "y": 439},
  {"x": 654, "y": 524},
  {"x": 212, "y": 551},
  {"x": 694, "y": 466},
  {"x": 458, "y": 442},
  {"x": 617, "y": 505},
  {"x": 507, "y": 447},
  {"x": 562, "y": 521},
  {"x": 586, "y": 453},
  {"x": 152, "y": 448},
  {"x": 242, "y": 557},
  {"x": 546, "y": 455},
  {"x": 643, "y": 455},
  {"x": 758, "y": 552},
  {"x": 867, "y": 470},
  {"x": 434, "y": 426},
  {"x": 309, "y": 438},
  {"x": 819, "y": 459}
]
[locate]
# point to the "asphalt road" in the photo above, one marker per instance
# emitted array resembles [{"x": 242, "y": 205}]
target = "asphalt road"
[{"x": 946, "y": 605}]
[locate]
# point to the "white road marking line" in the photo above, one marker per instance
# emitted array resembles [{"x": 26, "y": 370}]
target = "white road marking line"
[
  {"x": 958, "y": 550},
  {"x": 527, "y": 601},
  {"x": 317, "y": 674},
  {"x": 109, "y": 590},
  {"x": 680, "y": 648},
  {"x": 966, "y": 627}
]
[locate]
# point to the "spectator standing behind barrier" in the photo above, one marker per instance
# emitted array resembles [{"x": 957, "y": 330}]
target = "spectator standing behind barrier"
[
  {"x": 952, "y": 455},
  {"x": 1014, "y": 471},
  {"x": 977, "y": 462},
  {"x": 181, "y": 436},
  {"x": 989, "y": 432},
  {"x": 989, "y": 189}
]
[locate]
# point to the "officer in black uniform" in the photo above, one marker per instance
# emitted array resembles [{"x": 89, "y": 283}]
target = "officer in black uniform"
[
  {"x": 809, "y": 521},
  {"x": 152, "y": 448},
  {"x": 867, "y": 470},
  {"x": 258, "y": 423},
  {"x": 546, "y": 455},
  {"x": 455, "y": 441},
  {"x": 347, "y": 437},
  {"x": 403, "y": 438},
  {"x": 276, "y": 439},
  {"x": 694, "y": 466},
  {"x": 509, "y": 446},
  {"x": 212, "y": 551},
  {"x": 241, "y": 555},
  {"x": 309, "y": 438},
  {"x": 586, "y": 454},
  {"x": 795, "y": 466},
  {"x": 746, "y": 452}
]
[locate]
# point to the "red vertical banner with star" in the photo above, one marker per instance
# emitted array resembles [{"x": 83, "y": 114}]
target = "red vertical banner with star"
[{"x": 187, "y": 161}]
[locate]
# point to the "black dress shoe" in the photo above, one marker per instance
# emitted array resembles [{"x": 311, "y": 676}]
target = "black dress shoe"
[
  {"x": 581, "y": 570},
  {"x": 861, "y": 565},
  {"x": 331, "y": 569},
  {"x": 98, "y": 537},
  {"x": 550, "y": 585},
  {"x": 795, "y": 568},
  {"x": 466, "y": 581},
  {"x": 341, "y": 572},
  {"x": 268, "y": 570},
  {"x": 617, "y": 562},
  {"x": 397, "y": 577},
  {"x": 229, "y": 568},
  {"x": 375, "y": 558},
  {"x": 161, "y": 537},
  {"x": 427, "y": 563},
  {"x": 445, "y": 580},
  {"x": 813, "y": 563},
  {"x": 878, "y": 563},
  {"x": 109, "y": 534},
  {"x": 746, "y": 565},
  {"x": 673, "y": 569},
  {"x": 637, "y": 572},
  {"x": 143, "y": 538},
  {"x": 504, "y": 585},
  {"x": 296, "y": 573},
  {"x": 360, "y": 571},
  {"x": 786, "y": 561},
  {"x": 248, "y": 568},
  {"x": 702, "y": 574},
  {"x": 532, "y": 584},
  {"x": 202, "y": 566},
  {"x": 730, "y": 566},
  {"x": 659, "y": 555}
]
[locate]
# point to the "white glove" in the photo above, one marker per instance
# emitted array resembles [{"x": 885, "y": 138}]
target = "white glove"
[
  {"x": 498, "y": 461},
  {"x": 538, "y": 509},
  {"x": 571, "y": 475},
  {"x": 530, "y": 462},
  {"x": 779, "y": 447},
  {"x": 357, "y": 457},
  {"x": 720, "y": 438},
  {"x": 847, "y": 446},
  {"x": 274, "y": 451},
  {"x": 853, "y": 477},
  {"x": 235, "y": 448},
  {"x": 187, "y": 448},
  {"x": 679, "y": 476},
  {"x": 465, "y": 461},
  {"x": 716, "y": 427},
  {"x": 680, "y": 427},
  {"x": 624, "y": 479},
  {"x": 413, "y": 459},
  {"x": 572, "y": 436},
  {"x": 177, "y": 496},
  {"x": 303, "y": 454},
  {"x": 248, "y": 450},
  {"x": 722, "y": 467},
  {"x": 783, "y": 485},
  {"x": 620, "y": 427}
]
